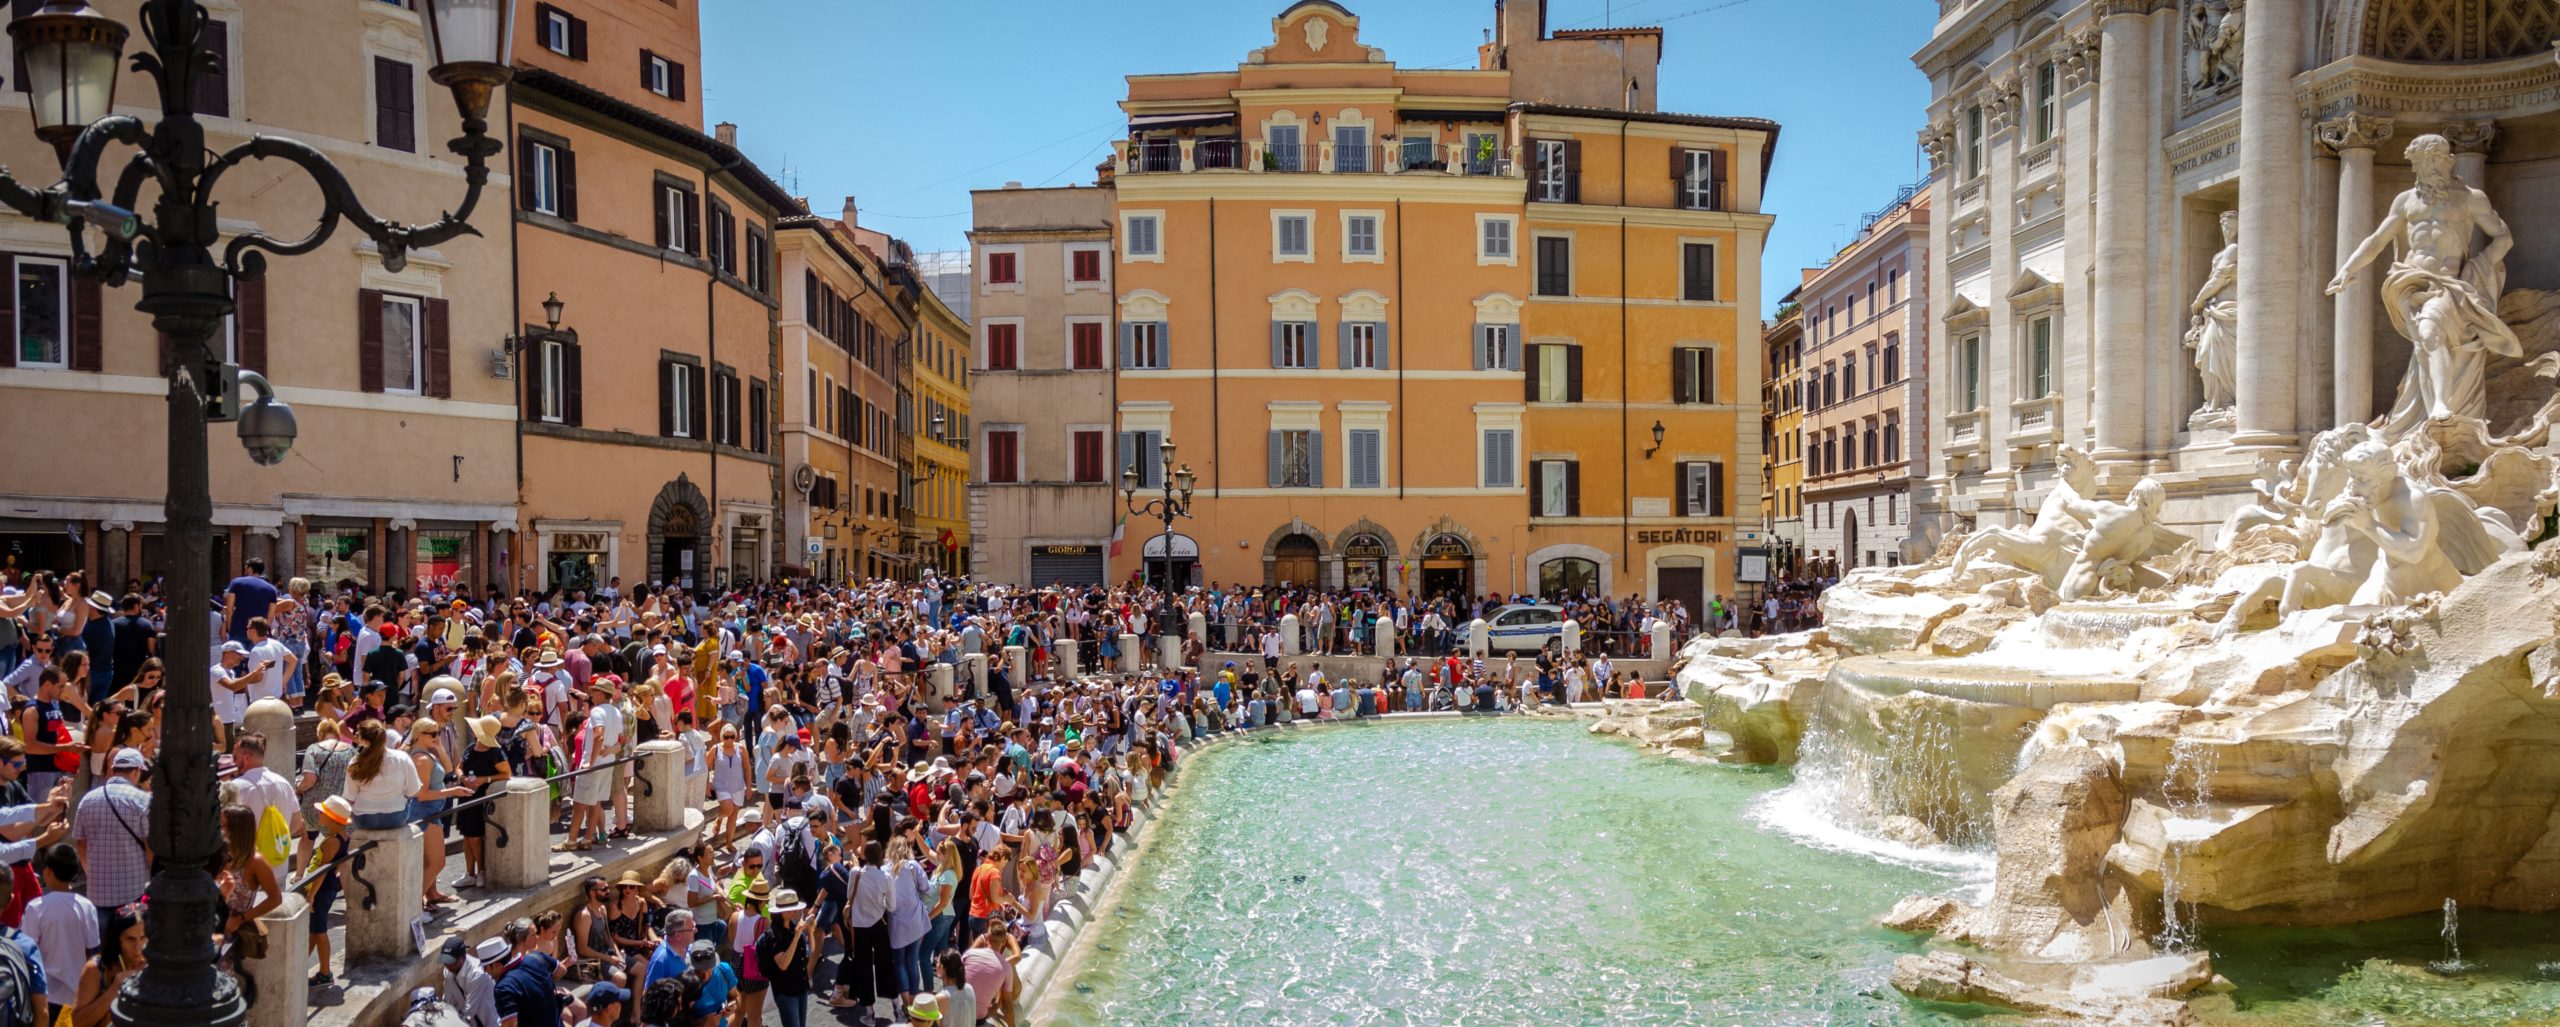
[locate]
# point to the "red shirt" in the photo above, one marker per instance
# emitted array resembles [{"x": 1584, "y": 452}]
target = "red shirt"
[{"x": 985, "y": 887}]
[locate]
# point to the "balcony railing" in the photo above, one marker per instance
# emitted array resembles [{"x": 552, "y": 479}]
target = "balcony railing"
[{"x": 1177, "y": 156}]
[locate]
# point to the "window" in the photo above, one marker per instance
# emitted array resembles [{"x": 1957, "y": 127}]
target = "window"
[
  {"x": 1969, "y": 370},
  {"x": 1359, "y": 236},
  {"x": 1701, "y": 175},
  {"x": 1893, "y": 285},
  {"x": 1283, "y": 152},
  {"x": 1138, "y": 237},
  {"x": 1972, "y": 143},
  {"x": 1493, "y": 240},
  {"x": 1697, "y": 271},
  {"x": 2039, "y": 358},
  {"x": 1892, "y": 360},
  {"x": 1500, "y": 450},
  {"x": 1867, "y": 443},
  {"x": 1001, "y": 269},
  {"x": 757, "y": 433},
  {"x": 1557, "y": 178},
  {"x": 1367, "y": 458},
  {"x": 1872, "y": 365},
  {"x": 1701, "y": 488},
  {"x": 661, "y": 76},
  {"x": 1361, "y": 345},
  {"x": 675, "y": 209},
  {"x": 1140, "y": 450},
  {"x": 1004, "y": 455},
  {"x": 1484, "y": 153},
  {"x": 1853, "y": 310},
  {"x": 403, "y": 330},
  {"x": 1142, "y": 346},
  {"x": 1297, "y": 458},
  {"x": 1289, "y": 237},
  {"x": 680, "y": 399},
  {"x": 723, "y": 233},
  {"x": 759, "y": 252},
  {"x": 1554, "y": 491},
  {"x": 724, "y": 409},
  {"x": 1351, "y": 148},
  {"x": 1088, "y": 464},
  {"x": 560, "y": 32},
  {"x": 43, "y": 313},
  {"x": 2046, "y": 82},
  {"x": 1293, "y": 344},
  {"x": 1892, "y": 439},
  {"x": 395, "y": 106},
  {"x": 1082, "y": 265},
  {"x": 542, "y": 178},
  {"x": 1693, "y": 375},
  {"x": 1495, "y": 349},
  {"x": 1872, "y": 309},
  {"x": 1555, "y": 265},
  {"x": 1085, "y": 346},
  {"x": 1849, "y": 376},
  {"x": 550, "y": 403},
  {"x": 213, "y": 85},
  {"x": 1555, "y": 376}
]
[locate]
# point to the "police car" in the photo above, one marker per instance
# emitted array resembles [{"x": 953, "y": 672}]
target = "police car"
[{"x": 1524, "y": 627}]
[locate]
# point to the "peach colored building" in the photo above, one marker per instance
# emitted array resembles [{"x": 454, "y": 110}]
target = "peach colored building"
[
  {"x": 1042, "y": 493},
  {"x": 1865, "y": 336},
  {"x": 404, "y": 474},
  {"x": 839, "y": 329},
  {"x": 648, "y": 443}
]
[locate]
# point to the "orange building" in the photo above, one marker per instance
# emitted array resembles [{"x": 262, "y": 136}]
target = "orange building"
[
  {"x": 647, "y": 430},
  {"x": 1326, "y": 299}
]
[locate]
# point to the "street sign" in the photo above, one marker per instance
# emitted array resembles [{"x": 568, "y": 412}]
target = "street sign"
[{"x": 816, "y": 547}]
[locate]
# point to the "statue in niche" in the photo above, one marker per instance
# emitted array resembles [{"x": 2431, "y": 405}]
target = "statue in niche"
[
  {"x": 2214, "y": 35},
  {"x": 2442, "y": 297},
  {"x": 2044, "y": 547},
  {"x": 2121, "y": 536},
  {"x": 2215, "y": 333}
]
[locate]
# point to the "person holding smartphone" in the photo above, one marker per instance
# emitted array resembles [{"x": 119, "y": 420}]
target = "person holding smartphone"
[{"x": 784, "y": 953}]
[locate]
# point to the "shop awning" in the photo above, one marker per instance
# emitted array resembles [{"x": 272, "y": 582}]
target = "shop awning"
[
  {"x": 1441, "y": 114},
  {"x": 1194, "y": 119}
]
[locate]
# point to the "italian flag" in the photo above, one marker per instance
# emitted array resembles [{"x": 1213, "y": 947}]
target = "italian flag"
[{"x": 1119, "y": 531}]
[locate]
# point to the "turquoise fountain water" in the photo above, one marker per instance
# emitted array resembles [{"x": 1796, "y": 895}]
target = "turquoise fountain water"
[{"x": 1486, "y": 872}]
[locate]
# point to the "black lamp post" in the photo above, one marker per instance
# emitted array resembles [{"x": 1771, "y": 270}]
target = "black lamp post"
[
  {"x": 71, "y": 53},
  {"x": 1175, "y": 503}
]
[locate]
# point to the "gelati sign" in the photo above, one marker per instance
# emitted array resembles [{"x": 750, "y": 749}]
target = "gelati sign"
[{"x": 1677, "y": 536}]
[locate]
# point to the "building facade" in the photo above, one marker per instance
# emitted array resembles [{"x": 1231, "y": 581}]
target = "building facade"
[
  {"x": 939, "y": 474},
  {"x": 404, "y": 474},
  {"x": 1864, "y": 325},
  {"x": 1042, "y": 499},
  {"x": 840, "y": 331},
  {"x": 2082, "y": 157},
  {"x": 1388, "y": 314},
  {"x": 1782, "y": 441}
]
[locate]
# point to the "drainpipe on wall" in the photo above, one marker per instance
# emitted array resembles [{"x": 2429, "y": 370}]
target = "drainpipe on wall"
[
  {"x": 515, "y": 315},
  {"x": 728, "y": 135}
]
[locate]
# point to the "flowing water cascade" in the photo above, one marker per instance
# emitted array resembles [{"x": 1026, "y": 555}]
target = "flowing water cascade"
[
  {"x": 2452, "y": 965},
  {"x": 2188, "y": 790},
  {"x": 1893, "y": 802}
]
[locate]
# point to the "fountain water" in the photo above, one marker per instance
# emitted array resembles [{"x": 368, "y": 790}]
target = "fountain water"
[
  {"x": 2188, "y": 788},
  {"x": 2452, "y": 965}
]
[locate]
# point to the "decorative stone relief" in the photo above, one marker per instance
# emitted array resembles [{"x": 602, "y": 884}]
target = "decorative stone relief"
[
  {"x": 2047, "y": 546},
  {"x": 1316, "y": 29},
  {"x": 1938, "y": 141},
  {"x": 2353, "y": 131},
  {"x": 2441, "y": 296},
  {"x": 2475, "y": 136},
  {"x": 2000, "y": 103},
  {"x": 2214, "y": 333},
  {"x": 2213, "y": 44},
  {"x": 2077, "y": 58}
]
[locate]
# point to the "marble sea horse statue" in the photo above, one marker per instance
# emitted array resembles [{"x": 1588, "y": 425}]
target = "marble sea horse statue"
[
  {"x": 2046, "y": 546},
  {"x": 2440, "y": 295}
]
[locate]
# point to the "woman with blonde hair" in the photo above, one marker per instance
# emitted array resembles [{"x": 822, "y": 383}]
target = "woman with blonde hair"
[
  {"x": 291, "y": 619},
  {"x": 427, "y": 808},
  {"x": 249, "y": 891}
]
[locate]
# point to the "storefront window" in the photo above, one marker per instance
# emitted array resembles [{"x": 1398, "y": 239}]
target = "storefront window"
[
  {"x": 443, "y": 560},
  {"x": 335, "y": 555},
  {"x": 574, "y": 560},
  {"x": 1567, "y": 577},
  {"x": 1364, "y": 563}
]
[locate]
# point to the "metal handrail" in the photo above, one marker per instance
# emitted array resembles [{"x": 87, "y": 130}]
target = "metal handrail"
[
  {"x": 504, "y": 838},
  {"x": 323, "y": 869}
]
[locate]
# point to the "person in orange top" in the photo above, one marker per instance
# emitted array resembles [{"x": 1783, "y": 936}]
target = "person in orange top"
[{"x": 986, "y": 888}]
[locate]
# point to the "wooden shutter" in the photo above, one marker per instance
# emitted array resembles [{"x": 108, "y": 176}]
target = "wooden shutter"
[
  {"x": 394, "y": 107},
  {"x": 88, "y": 326},
  {"x": 1572, "y": 171},
  {"x": 1680, "y": 485},
  {"x": 1680, "y": 376},
  {"x": 532, "y": 359},
  {"x": 1315, "y": 459},
  {"x": 1342, "y": 335},
  {"x": 1715, "y": 179},
  {"x": 1679, "y": 171},
  {"x": 524, "y": 170},
  {"x": 1276, "y": 360},
  {"x": 658, "y": 209},
  {"x": 666, "y": 397},
  {"x": 565, "y": 165},
  {"x": 1277, "y": 448},
  {"x": 1379, "y": 345},
  {"x": 439, "y": 315},
  {"x": 675, "y": 80},
  {"x": 369, "y": 339},
  {"x": 1715, "y": 489},
  {"x": 692, "y": 223},
  {"x": 577, "y": 38},
  {"x": 1529, "y": 393},
  {"x": 213, "y": 84},
  {"x": 1537, "y": 488},
  {"x": 1573, "y": 374},
  {"x": 573, "y": 383},
  {"x": 647, "y": 57},
  {"x": 9, "y": 299},
  {"x": 756, "y": 416},
  {"x": 250, "y": 317},
  {"x": 1573, "y": 488},
  {"x": 1482, "y": 343}
]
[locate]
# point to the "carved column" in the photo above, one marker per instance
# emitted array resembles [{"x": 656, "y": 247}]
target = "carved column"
[
  {"x": 2271, "y": 178},
  {"x": 2471, "y": 142},
  {"x": 2353, "y": 137},
  {"x": 2123, "y": 235}
]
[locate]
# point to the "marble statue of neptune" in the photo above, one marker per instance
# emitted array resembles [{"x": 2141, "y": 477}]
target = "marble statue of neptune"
[{"x": 2441, "y": 296}]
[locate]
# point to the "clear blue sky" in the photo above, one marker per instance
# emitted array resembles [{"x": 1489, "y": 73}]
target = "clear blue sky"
[{"x": 908, "y": 106}]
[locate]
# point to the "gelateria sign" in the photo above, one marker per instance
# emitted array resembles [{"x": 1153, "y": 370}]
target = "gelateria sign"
[{"x": 1677, "y": 536}]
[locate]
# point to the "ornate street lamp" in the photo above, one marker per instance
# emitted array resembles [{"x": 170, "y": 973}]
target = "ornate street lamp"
[
  {"x": 71, "y": 53},
  {"x": 1175, "y": 503}
]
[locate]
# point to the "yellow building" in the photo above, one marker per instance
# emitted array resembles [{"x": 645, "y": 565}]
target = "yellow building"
[
  {"x": 938, "y": 481},
  {"x": 1782, "y": 443}
]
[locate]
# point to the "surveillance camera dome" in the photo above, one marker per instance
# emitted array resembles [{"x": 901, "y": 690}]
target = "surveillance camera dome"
[{"x": 267, "y": 431}]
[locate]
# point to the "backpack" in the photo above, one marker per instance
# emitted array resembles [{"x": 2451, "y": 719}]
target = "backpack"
[
  {"x": 18, "y": 984},
  {"x": 792, "y": 865},
  {"x": 275, "y": 837}
]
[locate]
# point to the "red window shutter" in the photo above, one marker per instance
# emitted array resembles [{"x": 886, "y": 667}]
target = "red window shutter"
[
  {"x": 439, "y": 349},
  {"x": 88, "y": 326},
  {"x": 573, "y": 382},
  {"x": 369, "y": 340},
  {"x": 9, "y": 302},
  {"x": 567, "y": 169},
  {"x": 250, "y": 318}
]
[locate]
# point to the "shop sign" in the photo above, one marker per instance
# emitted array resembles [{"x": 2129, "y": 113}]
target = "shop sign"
[
  {"x": 1678, "y": 536},
  {"x": 578, "y": 542},
  {"x": 1447, "y": 547},
  {"x": 1365, "y": 547},
  {"x": 1063, "y": 550}
]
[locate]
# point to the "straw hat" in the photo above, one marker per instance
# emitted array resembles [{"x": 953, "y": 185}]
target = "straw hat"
[
  {"x": 631, "y": 879},
  {"x": 484, "y": 728},
  {"x": 927, "y": 1007},
  {"x": 785, "y": 901},
  {"x": 550, "y": 658},
  {"x": 337, "y": 810}
]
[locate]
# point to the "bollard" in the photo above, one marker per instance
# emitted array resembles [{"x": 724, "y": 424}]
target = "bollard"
[
  {"x": 274, "y": 719},
  {"x": 284, "y": 976},
  {"x": 977, "y": 675},
  {"x": 657, "y": 798},
  {"x": 1169, "y": 653},
  {"x": 1198, "y": 624},
  {"x": 1661, "y": 641},
  {"x": 1385, "y": 630},
  {"x": 1017, "y": 665},
  {"x": 1067, "y": 659},
  {"x": 1133, "y": 654},
  {"x": 1571, "y": 639},
  {"x": 941, "y": 676},
  {"x": 520, "y": 834},
  {"x": 383, "y": 894},
  {"x": 1290, "y": 643}
]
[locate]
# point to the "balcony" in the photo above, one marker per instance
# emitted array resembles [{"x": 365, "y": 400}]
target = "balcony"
[{"x": 1167, "y": 155}]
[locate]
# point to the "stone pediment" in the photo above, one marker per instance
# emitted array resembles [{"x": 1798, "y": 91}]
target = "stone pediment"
[{"x": 2032, "y": 288}]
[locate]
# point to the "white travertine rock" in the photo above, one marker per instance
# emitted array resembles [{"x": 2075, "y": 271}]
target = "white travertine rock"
[{"x": 1867, "y": 622}]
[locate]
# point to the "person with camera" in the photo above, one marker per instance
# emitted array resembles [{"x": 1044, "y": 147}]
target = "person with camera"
[{"x": 784, "y": 954}]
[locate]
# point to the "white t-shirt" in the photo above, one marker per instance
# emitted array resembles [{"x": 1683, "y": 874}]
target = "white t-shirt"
[
  {"x": 389, "y": 791},
  {"x": 604, "y": 734},
  {"x": 367, "y": 641},
  {"x": 229, "y": 706},
  {"x": 1307, "y": 701},
  {"x": 263, "y": 787},
  {"x": 270, "y": 686},
  {"x": 65, "y": 927}
]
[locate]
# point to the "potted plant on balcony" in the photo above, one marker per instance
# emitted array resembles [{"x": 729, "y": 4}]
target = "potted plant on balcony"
[
  {"x": 1270, "y": 161},
  {"x": 1484, "y": 152}
]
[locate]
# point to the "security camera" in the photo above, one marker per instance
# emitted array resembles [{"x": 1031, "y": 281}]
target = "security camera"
[{"x": 267, "y": 427}]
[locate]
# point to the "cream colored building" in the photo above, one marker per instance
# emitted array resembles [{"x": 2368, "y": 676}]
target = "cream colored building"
[
  {"x": 1865, "y": 333},
  {"x": 404, "y": 474},
  {"x": 1042, "y": 496}
]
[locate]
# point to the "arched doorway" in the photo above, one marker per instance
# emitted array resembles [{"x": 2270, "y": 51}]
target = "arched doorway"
[
  {"x": 679, "y": 537},
  {"x": 1849, "y": 539},
  {"x": 1568, "y": 577},
  {"x": 1364, "y": 562},
  {"x": 1293, "y": 562},
  {"x": 1448, "y": 566},
  {"x": 1172, "y": 561}
]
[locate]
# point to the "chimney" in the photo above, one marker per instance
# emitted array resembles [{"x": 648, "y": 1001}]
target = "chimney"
[
  {"x": 726, "y": 132},
  {"x": 849, "y": 216},
  {"x": 1013, "y": 185}
]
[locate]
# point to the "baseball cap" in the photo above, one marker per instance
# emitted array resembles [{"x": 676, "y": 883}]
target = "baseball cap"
[
  {"x": 442, "y": 696},
  {"x": 129, "y": 759},
  {"x": 702, "y": 951},
  {"x": 455, "y": 948},
  {"x": 234, "y": 647},
  {"x": 605, "y": 993}
]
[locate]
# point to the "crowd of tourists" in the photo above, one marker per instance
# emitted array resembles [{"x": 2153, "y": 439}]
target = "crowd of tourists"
[{"x": 879, "y": 836}]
